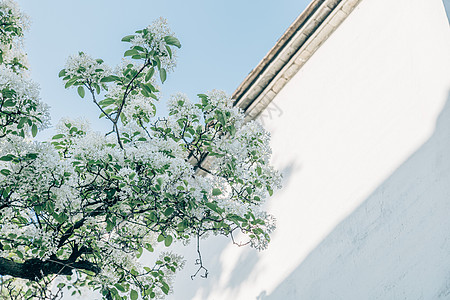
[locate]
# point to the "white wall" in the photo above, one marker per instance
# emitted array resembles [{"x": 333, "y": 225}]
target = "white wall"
[{"x": 363, "y": 141}]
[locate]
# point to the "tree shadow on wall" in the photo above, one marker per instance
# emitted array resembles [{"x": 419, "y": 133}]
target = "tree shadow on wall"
[
  {"x": 250, "y": 257},
  {"x": 395, "y": 245},
  {"x": 447, "y": 8},
  {"x": 212, "y": 250}
]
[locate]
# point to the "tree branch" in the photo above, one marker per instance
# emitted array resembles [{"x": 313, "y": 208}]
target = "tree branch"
[{"x": 36, "y": 269}]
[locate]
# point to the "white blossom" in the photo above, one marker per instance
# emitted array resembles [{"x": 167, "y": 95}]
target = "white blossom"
[
  {"x": 159, "y": 29},
  {"x": 85, "y": 67}
]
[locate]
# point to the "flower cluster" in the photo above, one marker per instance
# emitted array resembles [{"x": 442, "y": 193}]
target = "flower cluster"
[
  {"x": 85, "y": 68},
  {"x": 154, "y": 37},
  {"x": 13, "y": 56},
  {"x": 21, "y": 108},
  {"x": 139, "y": 108},
  {"x": 13, "y": 21}
]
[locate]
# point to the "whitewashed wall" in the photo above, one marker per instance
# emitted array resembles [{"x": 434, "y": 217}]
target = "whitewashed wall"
[{"x": 362, "y": 135}]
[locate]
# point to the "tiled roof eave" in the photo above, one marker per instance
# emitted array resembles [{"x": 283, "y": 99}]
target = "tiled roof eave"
[{"x": 306, "y": 34}]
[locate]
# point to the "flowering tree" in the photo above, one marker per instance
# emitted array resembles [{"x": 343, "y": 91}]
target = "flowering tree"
[{"x": 79, "y": 210}]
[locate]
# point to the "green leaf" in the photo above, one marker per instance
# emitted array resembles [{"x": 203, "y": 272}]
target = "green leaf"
[
  {"x": 160, "y": 238},
  {"x": 203, "y": 97},
  {"x": 149, "y": 248},
  {"x": 81, "y": 91},
  {"x": 183, "y": 225},
  {"x": 34, "y": 130},
  {"x": 157, "y": 62},
  {"x": 109, "y": 225},
  {"x": 162, "y": 75},
  {"x": 139, "y": 254},
  {"x": 61, "y": 218},
  {"x": 145, "y": 93},
  {"x": 62, "y": 73},
  {"x": 168, "y": 241},
  {"x": 120, "y": 288},
  {"x": 232, "y": 130},
  {"x": 258, "y": 170},
  {"x": 70, "y": 82},
  {"x": 216, "y": 192},
  {"x": 5, "y": 172},
  {"x": 58, "y": 136},
  {"x": 169, "y": 51},
  {"x": 8, "y": 157},
  {"x": 107, "y": 102},
  {"x": 133, "y": 295},
  {"x": 168, "y": 211},
  {"x": 61, "y": 285},
  {"x": 31, "y": 156},
  {"x": 130, "y": 52},
  {"x": 165, "y": 287},
  {"x": 139, "y": 48},
  {"x": 147, "y": 89},
  {"x": 73, "y": 130},
  {"x": 9, "y": 103},
  {"x": 149, "y": 74},
  {"x": 21, "y": 123},
  {"x": 235, "y": 218},
  {"x": 220, "y": 117},
  {"x": 97, "y": 87},
  {"x": 127, "y": 38},
  {"x": 110, "y": 78},
  {"x": 171, "y": 40},
  {"x": 213, "y": 207}
]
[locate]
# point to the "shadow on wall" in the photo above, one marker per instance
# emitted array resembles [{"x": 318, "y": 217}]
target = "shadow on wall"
[
  {"x": 250, "y": 257},
  {"x": 447, "y": 8},
  {"x": 395, "y": 245},
  {"x": 212, "y": 251}
]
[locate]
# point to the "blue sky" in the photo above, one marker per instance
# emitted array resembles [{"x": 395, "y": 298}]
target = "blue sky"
[{"x": 222, "y": 41}]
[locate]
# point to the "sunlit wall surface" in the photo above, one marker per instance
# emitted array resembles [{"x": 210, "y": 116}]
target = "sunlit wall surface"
[{"x": 362, "y": 135}]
